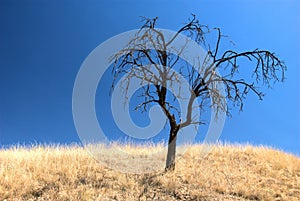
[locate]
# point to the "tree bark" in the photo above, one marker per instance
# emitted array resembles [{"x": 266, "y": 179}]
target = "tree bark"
[{"x": 170, "y": 162}]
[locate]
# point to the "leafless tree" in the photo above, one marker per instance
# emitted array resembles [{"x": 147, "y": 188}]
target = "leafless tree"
[{"x": 151, "y": 47}]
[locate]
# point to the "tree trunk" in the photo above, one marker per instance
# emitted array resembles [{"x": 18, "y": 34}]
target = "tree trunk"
[{"x": 170, "y": 163}]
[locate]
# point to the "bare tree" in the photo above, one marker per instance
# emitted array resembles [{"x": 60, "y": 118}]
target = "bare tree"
[{"x": 151, "y": 47}]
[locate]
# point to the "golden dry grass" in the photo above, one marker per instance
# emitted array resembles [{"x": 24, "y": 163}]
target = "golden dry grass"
[{"x": 227, "y": 173}]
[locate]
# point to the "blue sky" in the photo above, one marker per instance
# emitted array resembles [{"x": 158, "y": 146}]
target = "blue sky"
[{"x": 43, "y": 44}]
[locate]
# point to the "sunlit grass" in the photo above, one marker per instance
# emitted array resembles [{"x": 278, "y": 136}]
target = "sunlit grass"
[{"x": 227, "y": 173}]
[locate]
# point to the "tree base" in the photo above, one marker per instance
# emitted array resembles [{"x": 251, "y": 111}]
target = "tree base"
[{"x": 170, "y": 168}]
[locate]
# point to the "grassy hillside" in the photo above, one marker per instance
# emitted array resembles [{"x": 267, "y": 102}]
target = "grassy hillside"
[{"x": 227, "y": 173}]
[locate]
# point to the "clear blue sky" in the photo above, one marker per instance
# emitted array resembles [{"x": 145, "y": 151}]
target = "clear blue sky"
[{"x": 43, "y": 44}]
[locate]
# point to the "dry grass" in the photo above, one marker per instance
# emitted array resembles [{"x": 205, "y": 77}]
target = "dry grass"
[{"x": 227, "y": 173}]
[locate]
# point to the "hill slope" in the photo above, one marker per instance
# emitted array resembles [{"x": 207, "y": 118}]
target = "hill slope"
[{"x": 227, "y": 173}]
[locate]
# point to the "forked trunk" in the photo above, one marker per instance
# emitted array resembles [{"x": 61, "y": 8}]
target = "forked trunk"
[{"x": 170, "y": 163}]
